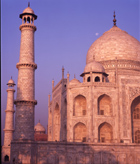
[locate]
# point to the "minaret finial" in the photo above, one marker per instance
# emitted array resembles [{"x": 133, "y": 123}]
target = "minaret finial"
[
  {"x": 11, "y": 77},
  {"x": 28, "y": 4},
  {"x": 114, "y": 20}
]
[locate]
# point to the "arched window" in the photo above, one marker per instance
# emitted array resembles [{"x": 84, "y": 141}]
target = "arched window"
[
  {"x": 79, "y": 108},
  {"x": 136, "y": 113},
  {"x": 65, "y": 108},
  {"x": 28, "y": 20},
  {"x": 137, "y": 136},
  {"x": 97, "y": 79},
  {"x": 105, "y": 133},
  {"x": 6, "y": 158},
  {"x": 104, "y": 105},
  {"x": 56, "y": 123},
  {"x": 88, "y": 79},
  {"x": 80, "y": 132},
  {"x": 31, "y": 20},
  {"x": 135, "y": 121},
  {"x": 24, "y": 20}
]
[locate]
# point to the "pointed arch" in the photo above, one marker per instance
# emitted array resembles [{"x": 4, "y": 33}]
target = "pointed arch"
[
  {"x": 105, "y": 133},
  {"x": 135, "y": 120},
  {"x": 28, "y": 20},
  {"x": 97, "y": 79},
  {"x": 57, "y": 122},
  {"x": 79, "y": 108},
  {"x": 105, "y": 105},
  {"x": 137, "y": 136},
  {"x": 79, "y": 132},
  {"x": 6, "y": 158}
]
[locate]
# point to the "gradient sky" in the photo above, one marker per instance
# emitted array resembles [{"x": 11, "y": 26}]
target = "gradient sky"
[{"x": 65, "y": 31}]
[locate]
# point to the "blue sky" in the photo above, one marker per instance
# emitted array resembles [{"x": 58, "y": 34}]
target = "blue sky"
[{"x": 65, "y": 31}]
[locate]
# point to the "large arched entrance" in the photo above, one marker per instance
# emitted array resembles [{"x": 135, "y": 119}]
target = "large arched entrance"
[{"x": 135, "y": 115}]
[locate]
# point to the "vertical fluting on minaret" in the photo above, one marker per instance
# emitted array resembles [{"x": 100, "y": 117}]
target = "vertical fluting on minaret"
[
  {"x": 9, "y": 120},
  {"x": 25, "y": 101}
]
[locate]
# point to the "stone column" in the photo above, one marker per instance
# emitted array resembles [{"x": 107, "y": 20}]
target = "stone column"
[
  {"x": 25, "y": 101},
  {"x": 9, "y": 121}
]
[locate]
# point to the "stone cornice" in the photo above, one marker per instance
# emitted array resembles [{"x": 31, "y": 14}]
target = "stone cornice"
[
  {"x": 10, "y": 89},
  {"x": 8, "y": 130},
  {"x": 89, "y": 84},
  {"x": 27, "y": 25},
  {"x": 33, "y": 65},
  {"x": 10, "y": 110},
  {"x": 25, "y": 102},
  {"x": 121, "y": 64}
]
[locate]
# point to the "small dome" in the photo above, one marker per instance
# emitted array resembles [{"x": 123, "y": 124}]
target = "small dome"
[
  {"x": 39, "y": 128},
  {"x": 113, "y": 44},
  {"x": 11, "y": 82},
  {"x": 94, "y": 67},
  {"x": 73, "y": 81},
  {"x": 28, "y": 10}
]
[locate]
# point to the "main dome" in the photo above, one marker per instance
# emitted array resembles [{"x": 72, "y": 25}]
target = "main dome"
[{"x": 113, "y": 44}]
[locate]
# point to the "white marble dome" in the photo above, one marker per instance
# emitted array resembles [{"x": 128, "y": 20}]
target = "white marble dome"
[
  {"x": 94, "y": 67},
  {"x": 39, "y": 128},
  {"x": 74, "y": 81},
  {"x": 114, "y": 44},
  {"x": 28, "y": 10}
]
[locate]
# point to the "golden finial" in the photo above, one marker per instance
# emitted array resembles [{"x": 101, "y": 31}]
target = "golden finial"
[{"x": 114, "y": 20}]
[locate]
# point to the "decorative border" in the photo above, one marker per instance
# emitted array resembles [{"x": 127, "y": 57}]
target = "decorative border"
[
  {"x": 28, "y": 25},
  {"x": 121, "y": 64},
  {"x": 26, "y": 65},
  {"x": 27, "y": 102}
]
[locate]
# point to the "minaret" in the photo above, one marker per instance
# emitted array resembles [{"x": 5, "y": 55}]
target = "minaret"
[
  {"x": 9, "y": 121},
  {"x": 25, "y": 101}
]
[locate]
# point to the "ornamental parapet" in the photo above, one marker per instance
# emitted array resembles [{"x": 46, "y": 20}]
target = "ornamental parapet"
[
  {"x": 32, "y": 65},
  {"x": 27, "y": 25},
  {"x": 25, "y": 102},
  {"x": 121, "y": 64}
]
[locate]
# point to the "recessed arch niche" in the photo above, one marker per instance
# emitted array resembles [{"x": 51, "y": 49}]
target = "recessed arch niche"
[
  {"x": 79, "y": 132},
  {"x": 57, "y": 122},
  {"x": 105, "y": 133},
  {"x": 104, "y": 105},
  {"x": 79, "y": 108}
]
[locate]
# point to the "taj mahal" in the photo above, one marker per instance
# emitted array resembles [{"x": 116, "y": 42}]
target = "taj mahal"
[{"x": 96, "y": 121}]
